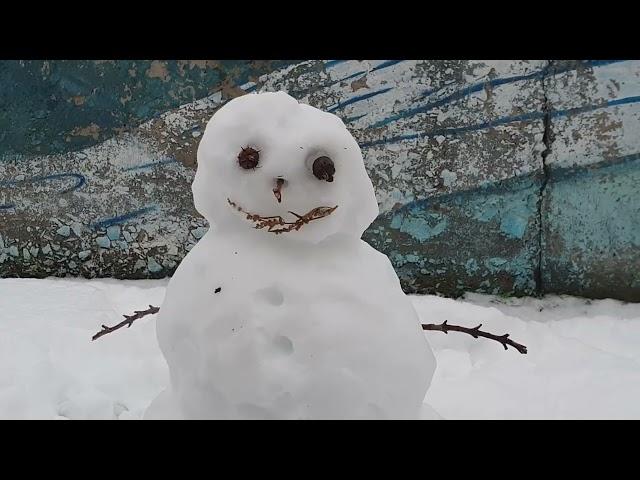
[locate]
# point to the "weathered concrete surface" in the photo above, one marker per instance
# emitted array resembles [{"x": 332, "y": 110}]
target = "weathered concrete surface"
[
  {"x": 591, "y": 208},
  {"x": 96, "y": 162},
  {"x": 460, "y": 154},
  {"x": 57, "y": 106}
]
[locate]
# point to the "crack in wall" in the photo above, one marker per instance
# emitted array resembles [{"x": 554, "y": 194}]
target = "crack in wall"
[{"x": 547, "y": 140}]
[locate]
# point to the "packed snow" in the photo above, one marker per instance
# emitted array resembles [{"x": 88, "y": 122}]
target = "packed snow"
[
  {"x": 281, "y": 311},
  {"x": 583, "y": 360}
]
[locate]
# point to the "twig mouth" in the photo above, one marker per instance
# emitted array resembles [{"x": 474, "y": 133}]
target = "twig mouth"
[{"x": 276, "y": 224}]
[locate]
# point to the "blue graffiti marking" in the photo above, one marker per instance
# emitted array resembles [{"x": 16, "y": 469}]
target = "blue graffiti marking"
[
  {"x": 359, "y": 73},
  {"x": 600, "y": 63},
  {"x": 383, "y": 65},
  {"x": 579, "y": 171},
  {"x": 460, "y": 94},
  {"x": 349, "y": 77},
  {"x": 333, "y": 63},
  {"x": 150, "y": 165},
  {"x": 517, "y": 184},
  {"x": 80, "y": 181},
  {"x": 7, "y": 207},
  {"x": 589, "y": 108},
  {"x": 358, "y": 98},
  {"x": 353, "y": 119},
  {"x": 387, "y": 64},
  {"x": 477, "y": 87},
  {"x": 122, "y": 218},
  {"x": 525, "y": 117}
]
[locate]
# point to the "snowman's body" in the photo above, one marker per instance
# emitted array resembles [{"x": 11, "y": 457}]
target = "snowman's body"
[{"x": 307, "y": 323}]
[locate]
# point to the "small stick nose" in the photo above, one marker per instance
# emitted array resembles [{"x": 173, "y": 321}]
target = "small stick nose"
[{"x": 278, "y": 190}]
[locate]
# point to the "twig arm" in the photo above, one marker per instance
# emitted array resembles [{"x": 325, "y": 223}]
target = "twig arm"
[
  {"x": 129, "y": 319},
  {"x": 475, "y": 332}
]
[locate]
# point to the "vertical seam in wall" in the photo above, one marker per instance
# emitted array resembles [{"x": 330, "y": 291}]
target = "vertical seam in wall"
[{"x": 547, "y": 140}]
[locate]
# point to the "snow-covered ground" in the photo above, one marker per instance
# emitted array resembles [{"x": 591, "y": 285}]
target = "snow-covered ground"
[{"x": 583, "y": 360}]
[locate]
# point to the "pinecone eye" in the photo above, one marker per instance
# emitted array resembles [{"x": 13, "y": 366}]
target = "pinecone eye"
[
  {"x": 324, "y": 169},
  {"x": 248, "y": 158}
]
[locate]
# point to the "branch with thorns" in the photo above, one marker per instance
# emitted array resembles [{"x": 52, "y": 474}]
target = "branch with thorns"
[
  {"x": 475, "y": 332},
  {"x": 272, "y": 223},
  {"x": 128, "y": 322},
  {"x": 443, "y": 327}
]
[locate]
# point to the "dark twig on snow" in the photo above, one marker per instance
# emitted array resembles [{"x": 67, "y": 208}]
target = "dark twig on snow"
[
  {"x": 128, "y": 322},
  {"x": 475, "y": 332}
]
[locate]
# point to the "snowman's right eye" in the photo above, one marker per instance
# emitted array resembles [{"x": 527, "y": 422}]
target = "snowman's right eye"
[{"x": 248, "y": 158}]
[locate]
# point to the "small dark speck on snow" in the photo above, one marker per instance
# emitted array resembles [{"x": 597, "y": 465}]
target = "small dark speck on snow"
[{"x": 217, "y": 290}]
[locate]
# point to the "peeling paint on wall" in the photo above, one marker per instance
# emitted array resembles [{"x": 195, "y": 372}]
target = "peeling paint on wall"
[
  {"x": 507, "y": 177},
  {"x": 56, "y": 106},
  {"x": 591, "y": 224}
]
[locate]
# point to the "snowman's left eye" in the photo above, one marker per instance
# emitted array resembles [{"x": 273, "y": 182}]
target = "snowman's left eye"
[{"x": 324, "y": 169}]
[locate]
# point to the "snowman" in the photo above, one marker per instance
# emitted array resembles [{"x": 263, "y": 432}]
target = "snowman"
[{"x": 281, "y": 311}]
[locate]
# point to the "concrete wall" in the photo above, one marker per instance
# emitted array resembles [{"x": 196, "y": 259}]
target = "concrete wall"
[{"x": 509, "y": 177}]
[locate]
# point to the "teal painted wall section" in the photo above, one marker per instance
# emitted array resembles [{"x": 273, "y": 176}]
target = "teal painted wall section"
[
  {"x": 592, "y": 230},
  {"x": 513, "y": 177},
  {"x": 483, "y": 240},
  {"x": 591, "y": 204},
  {"x": 49, "y": 107}
]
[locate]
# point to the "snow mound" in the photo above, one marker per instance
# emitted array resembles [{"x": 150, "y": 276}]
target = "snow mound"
[{"x": 583, "y": 360}]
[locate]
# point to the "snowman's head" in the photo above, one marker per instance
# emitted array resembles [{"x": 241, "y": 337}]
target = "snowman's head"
[{"x": 269, "y": 165}]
